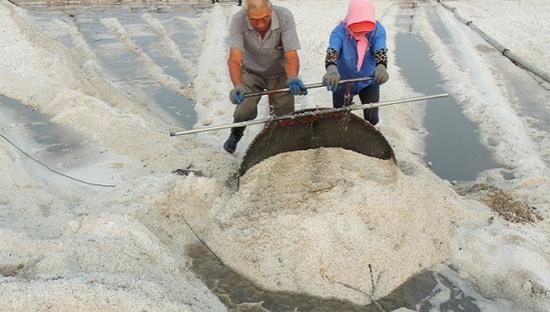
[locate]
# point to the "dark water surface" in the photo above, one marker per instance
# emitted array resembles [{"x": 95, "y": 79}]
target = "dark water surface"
[{"x": 453, "y": 147}]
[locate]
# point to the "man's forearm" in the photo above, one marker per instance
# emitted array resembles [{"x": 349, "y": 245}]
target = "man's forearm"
[
  {"x": 292, "y": 64},
  {"x": 235, "y": 72}
]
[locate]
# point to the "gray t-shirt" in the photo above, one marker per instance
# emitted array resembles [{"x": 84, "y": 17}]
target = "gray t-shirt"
[{"x": 265, "y": 55}]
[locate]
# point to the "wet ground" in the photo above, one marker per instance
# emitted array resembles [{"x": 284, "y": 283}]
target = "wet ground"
[
  {"x": 45, "y": 139},
  {"x": 430, "y": 289},
  {"x": 453, "y": 147},
  {"x": 145, "y": 50},
  {"x": 529, "y": 97}
]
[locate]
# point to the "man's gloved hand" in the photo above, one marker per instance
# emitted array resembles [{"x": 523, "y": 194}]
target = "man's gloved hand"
[
  {"x": 236, "y": 96},
  {"x": 331, "y": 78},
  {"x": 381, "y": 74},
  {"x": 296, "y": 86}
]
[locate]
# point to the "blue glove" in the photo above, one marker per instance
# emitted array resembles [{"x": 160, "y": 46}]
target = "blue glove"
[
  {"x": 236, "y": 96},
  {"x": 296, "y": 86}
]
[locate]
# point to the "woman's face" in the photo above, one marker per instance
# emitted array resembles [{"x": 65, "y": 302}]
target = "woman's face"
[{"x": 360, "y": 33}]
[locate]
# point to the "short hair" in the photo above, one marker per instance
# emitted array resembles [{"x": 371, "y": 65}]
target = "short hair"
[{"x": 256, "y": 4}]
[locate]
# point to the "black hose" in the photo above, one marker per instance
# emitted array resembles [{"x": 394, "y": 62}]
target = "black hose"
[{"x": 50, "y": 169}]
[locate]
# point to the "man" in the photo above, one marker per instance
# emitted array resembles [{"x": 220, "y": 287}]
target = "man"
[{"x": 263, "y": 55}]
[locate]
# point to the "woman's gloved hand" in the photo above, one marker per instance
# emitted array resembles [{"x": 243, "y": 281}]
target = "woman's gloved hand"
[
  {"x": 381, "y": 74},
  {"x": 331, "y": 78}
]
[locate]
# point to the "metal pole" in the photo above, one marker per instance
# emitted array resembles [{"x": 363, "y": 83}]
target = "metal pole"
[
  {"x": 308, "y": 86},
  {"x": 310, "y": 113}
]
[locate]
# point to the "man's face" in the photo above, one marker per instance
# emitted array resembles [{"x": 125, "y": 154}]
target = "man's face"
[{"x": 260, "y": 19}]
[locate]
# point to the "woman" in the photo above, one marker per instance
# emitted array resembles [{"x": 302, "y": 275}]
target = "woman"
[{"x": 357, "y": 48}]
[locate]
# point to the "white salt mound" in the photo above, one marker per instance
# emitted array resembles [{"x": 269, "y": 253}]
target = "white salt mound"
[
  {"x": 110, "y": 262},
  {"x": 320, "y": 221}
]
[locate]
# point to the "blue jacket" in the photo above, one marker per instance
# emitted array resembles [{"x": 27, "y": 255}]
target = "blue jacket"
[{"x": 346, "y": 45}]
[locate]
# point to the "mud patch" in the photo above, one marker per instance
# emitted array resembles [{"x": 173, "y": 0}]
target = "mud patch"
[
  {"x": 502, "y": 202},
  {"x": 421, "y": 292},
  {"x": 240, "y": 294},
  {"x": 11, "y": 270}
]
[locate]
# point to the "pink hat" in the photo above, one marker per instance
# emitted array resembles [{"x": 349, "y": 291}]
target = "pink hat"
[{"x": 361, "y": 12}]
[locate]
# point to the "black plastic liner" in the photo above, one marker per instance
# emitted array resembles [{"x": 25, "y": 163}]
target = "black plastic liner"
[{"x": 323, "y": 128}]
